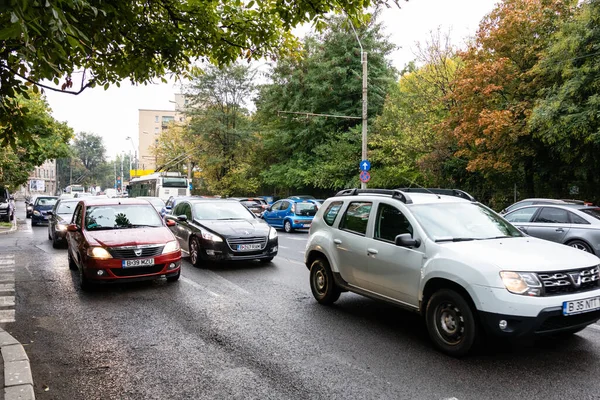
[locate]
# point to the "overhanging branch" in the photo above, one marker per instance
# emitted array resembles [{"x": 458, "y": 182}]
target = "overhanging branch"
[{"x": 83, "y": 87}]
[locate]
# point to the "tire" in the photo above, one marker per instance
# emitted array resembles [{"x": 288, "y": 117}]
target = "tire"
[
  {"x": 72, "y": 264},
  {"x": 322, "y": 285},
  {"x": 580, "y": 245},
  {"x": 266, "y": 260},
  {"x": 451, "y": 324},
  {"x": 55, "y": 244},
  {"x": 195, "y": 258},
  {"x": 84, "y": 282},
  {"x": 174, "y": 278},
  {"x": 49, "y": 234},
  {"x": 287, "y": 226}
]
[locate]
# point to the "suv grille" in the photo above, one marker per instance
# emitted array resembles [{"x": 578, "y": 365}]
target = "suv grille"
[
  {"x": 129, "y": 252},
  {"x": 233, "y": 242},
  {"x": 573, "y": 281}
]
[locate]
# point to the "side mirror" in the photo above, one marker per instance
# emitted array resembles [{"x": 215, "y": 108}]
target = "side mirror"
[
  {"x": 170, "y": 222},
  {"x": 406, "y": 240},
  {"x": 269, "y": 208},
  {"x": 72, "y": 228},
  {"x": 168, "y": 207},
  {"x": 182, "y": 218}
]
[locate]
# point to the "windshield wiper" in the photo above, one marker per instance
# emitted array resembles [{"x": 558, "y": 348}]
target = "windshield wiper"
[
  {"x": 456, "y": 240},
  {"x": 101, "y": 228},
  {"x": 498, "y": 237},
  {"x": 227, "y": 219},
  {"x": 142, "y": 226}
]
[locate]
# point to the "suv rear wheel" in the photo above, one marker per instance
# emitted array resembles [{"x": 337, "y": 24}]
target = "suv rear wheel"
[
  {"x": 451, "y": 323},
  {"x": 322, "y": 284}
]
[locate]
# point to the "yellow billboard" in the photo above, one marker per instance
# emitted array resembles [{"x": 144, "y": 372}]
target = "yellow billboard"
[{"x": 135, "y": 173}]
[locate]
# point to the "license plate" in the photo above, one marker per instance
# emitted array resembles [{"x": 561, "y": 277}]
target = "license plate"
[
  {"x": 581, "y": 306},
  {"x": 306, "y": 225},
  {"x": 249, "y": 247},
  {"x": 138, "y": 263}
]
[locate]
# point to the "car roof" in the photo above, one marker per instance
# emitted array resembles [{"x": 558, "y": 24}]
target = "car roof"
[
  {"x": 566, "y": 206},
  {"x": 417, "y": 198},
  {"x": 207, "y": 200},
  {"x": 91, "y": 201}
]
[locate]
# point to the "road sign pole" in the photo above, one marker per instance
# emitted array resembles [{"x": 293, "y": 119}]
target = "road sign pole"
[{"x": 363, "y": 185}]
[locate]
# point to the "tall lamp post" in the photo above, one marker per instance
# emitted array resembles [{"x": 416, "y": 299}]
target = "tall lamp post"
[
  {"x": 363, "y": 60},
  {"x": 135, "y": 155}
]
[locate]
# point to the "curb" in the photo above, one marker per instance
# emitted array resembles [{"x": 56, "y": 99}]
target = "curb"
[
  {"x": 18, "y": 381},
  {"x": 14, "y": 227}
]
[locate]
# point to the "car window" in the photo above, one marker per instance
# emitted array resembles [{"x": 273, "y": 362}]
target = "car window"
[
  {"x": 332, "y": 212},
  {"x": 276, "y": 206},
  {"x": 576, "y": 219},
  {"x": 178, "y": 210},
  {"x": 522, "y": 215},
  {"x": 285, "y": 205},
  {"x": 65, "y": 207},
  {"x": 187, "y": 210},
  {"x": 519, "y": 204},
  {"x": 307, "y": 209},
  {"x": 391, "y": 223},
  {"x": 594, "y": 212},
  {"x": 356, "y": 217},
  {"x": 121, "y": 216},
  {"x": 77, "y": 216},
  {"x": 45, "y": 201},
  {"x": 550, "y": 215},
  {"x": 221, "y": 210}
]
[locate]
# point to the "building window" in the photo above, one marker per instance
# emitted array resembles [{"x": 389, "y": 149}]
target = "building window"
[
  {"x": 156, "y": 142},
  {"x": 156, "y": 118},
  {"x": 156, "y": 130}
]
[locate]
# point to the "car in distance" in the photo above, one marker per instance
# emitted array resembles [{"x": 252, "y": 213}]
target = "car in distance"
[
  {"x": 571, "y": 224},
  {"x": 120, "y": 240},
  {"x": 221, "y": 230},
  {"x": 42, "y": 205},
  {"x": 59, "y": 218},
  {"x": 255, "y": 204},
  {"x": 29, "y": 206},
  {"x": 156, "y": 202},
  {"x": 290, "y": 214},
  {"x": 529, "y": 202},
  {"x": 456, "y": 262},
  {"x": 7, "y": 206}
]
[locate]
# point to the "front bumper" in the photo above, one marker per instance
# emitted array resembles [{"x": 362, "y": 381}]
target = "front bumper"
[
  {"x": 221, "y": 251},
  {"x": 43, "y": 219},
  {"x": 114, "y": 271}
]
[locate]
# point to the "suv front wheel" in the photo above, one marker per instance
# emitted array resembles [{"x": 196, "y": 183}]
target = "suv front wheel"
[
  {"x": 321, "y": 282},
  {"x": 451, "y": 323}
]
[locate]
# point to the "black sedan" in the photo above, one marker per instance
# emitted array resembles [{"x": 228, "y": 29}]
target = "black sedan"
[
  {"x": 59, "y": 218},
  {"x": 221, "y": 230}
]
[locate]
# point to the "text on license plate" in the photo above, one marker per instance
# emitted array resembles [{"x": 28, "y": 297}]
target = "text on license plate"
[
  {"x": 249, "y": 247},
  {"x": 138, "y": 263},
  {"x": 581, "y": 306}
]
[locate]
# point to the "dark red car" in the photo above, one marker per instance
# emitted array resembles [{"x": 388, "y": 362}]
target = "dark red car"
[{"x": 121, "y": 240}]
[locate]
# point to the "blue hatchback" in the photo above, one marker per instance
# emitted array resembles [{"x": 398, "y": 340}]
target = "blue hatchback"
[
  {"x": 42, "y": 205},
  {"x": 290, "y": 214}
]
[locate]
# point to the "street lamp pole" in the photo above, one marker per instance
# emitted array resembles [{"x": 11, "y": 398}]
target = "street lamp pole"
[{"x": 363, "y": 60}]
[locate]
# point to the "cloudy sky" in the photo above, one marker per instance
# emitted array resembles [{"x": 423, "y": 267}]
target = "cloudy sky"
[{"x": 114, "y": 113}]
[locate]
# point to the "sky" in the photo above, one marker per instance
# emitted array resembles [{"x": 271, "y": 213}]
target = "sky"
[{"x": 113, "y": 113}]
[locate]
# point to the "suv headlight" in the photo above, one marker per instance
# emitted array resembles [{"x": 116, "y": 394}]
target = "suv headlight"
[
  {"x": 211, "y": 237},
  {"x": 98, "y": 252},
  {"x": 525, "y": 283},
  {"x": 272, "y": 233},
  {"x": 171, "y": 247}
]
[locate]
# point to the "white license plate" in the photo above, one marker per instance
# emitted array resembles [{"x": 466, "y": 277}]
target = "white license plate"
[
  {"x": 249, "y": 247},
  {"x": 581, "y": 306},
  {"x": 138, "y": 263},
  {"x": 306, "y": 225}
]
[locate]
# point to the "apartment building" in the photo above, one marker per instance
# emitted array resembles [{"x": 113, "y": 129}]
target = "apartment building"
[
  {"x": 43, "y": 180},
  {"x": 151, "y": 124}
]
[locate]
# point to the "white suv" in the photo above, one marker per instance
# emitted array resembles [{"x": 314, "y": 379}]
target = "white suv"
[{"x": 440, "y": 253}]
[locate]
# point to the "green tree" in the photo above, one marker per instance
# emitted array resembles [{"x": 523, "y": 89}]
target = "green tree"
[
  {"x": 88, "y": 43},
  {"x": 302, "y": 153},
  {"x": 89, "y": 148}
]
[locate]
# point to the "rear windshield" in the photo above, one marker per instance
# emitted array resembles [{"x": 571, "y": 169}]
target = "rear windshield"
[
  {"x": 45, "y": 201},
  {"x": 122, "y": 216},
  {"x": 594, "y": 212},
  {"x": 307, "y": 209},
  {"x": 66, "y": 207},
  {"x": 175, "y": 182}
]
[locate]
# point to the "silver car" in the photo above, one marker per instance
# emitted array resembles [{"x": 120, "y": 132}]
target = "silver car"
[{"x": 574, "y": 225}]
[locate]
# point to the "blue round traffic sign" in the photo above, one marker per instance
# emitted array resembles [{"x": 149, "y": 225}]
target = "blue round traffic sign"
[
  {"x": 365, "y": 176},
  {"x": 364, "y": 165}
]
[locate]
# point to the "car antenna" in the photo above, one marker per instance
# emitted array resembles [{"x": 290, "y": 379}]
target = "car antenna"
[{"x": 419, "y": 186}]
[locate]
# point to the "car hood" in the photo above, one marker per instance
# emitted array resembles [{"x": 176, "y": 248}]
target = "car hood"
[
  {"x": 129, "y": 237},
  {"x": 524, "y": 254},
  {"x": 237, "y": 227}
]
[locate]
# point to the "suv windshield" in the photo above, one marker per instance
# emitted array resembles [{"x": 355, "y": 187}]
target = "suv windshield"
[
  {"x": 307, "y": 209},
  {"x": 121, "y": 217},
  {"x": 461, "y": 221},
  {"x": 221, "y": 210}
]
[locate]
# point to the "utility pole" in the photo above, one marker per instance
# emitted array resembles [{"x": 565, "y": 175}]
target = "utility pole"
[
  {"x": 363, "y": 57},
  {"x": 70, "y": 171},
  {"x": 115, "y": 165},
  {"x": 122, "y": 174}
]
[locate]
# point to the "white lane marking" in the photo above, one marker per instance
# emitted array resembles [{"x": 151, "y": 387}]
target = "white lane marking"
[
  {"x": 7, "y": 256},
  {"x": 7, "y": 262},
  {"x": 294, "y": 238},
  {"x": 293, "y": 261},
  {"x": 283, "y": 247},
  {"x": 7, "y": 278},
  {"x": 225, "y": 282},
  {"x": 7, "y": 301},
  {"x": 7, "y": 315},
  {"x": 7, "y": 287},
  {"x": 197, "y": 286},
  {"x": 595, "y": 327}
]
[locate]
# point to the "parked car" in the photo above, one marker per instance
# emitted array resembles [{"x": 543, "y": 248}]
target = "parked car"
[
  {"x": 120, "y": 240},
  {"x": 571, "y": 224},
  {"x": 529, "y": 202},
  {"x": 301, "y": 197},
  {"x": 171, "y": 203},
  {"x": 456, "y": 262},
  {"x": 42, "y": 205},
  {"x": 156, "y": 202},
  {"x": 269, "y": 199},
  {"x": 290, "y": 214},
  {"x": 221, "y": 230},
  {"x": 59, "y": 218},
  {"x": 255, "y": 204},
  {"x": 7, "y": 205},
  {"x": 29, "y": 206}
]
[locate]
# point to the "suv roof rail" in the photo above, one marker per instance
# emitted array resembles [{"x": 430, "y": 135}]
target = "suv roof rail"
[
  {"x": 446, "y": 192},
  {"x": 396, "y": 193}
]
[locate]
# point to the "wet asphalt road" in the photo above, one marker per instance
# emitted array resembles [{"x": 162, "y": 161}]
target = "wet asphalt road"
[{"x": 253, "y": 331}]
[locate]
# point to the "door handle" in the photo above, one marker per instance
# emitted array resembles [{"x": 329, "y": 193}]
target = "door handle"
[
  {"x": 560, "y": 230},
  {"x": 337, "y": 241},
  {"x": 372, "y": 251}
]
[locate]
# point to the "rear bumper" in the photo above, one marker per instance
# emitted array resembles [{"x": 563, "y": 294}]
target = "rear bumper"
[
  {"x": 548, "y": 321},
  {"x": 113, "y": 270},
  {"x": 301, "y": 223}
]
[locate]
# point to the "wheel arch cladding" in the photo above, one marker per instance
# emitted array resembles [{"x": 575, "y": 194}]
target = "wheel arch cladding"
[{"x": 435, "y": 284}]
